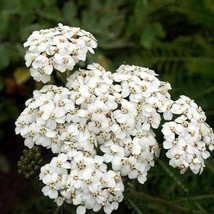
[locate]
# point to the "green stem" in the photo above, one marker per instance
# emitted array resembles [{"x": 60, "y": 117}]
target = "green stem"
[
  {"x": 200, "y": 197},
  {"x": 210, "y": 166},
  {"x": 173, "y": 176},
  {"x": 136, "y": 208},
  {"x": 170, "y": 205},
  {"x": 178, "y": 182},
  {"x": 63, "y": 76},
  {"x": 205, "y": 92}
]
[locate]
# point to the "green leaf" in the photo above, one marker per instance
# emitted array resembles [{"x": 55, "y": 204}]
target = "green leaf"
[
  {"x": 4, "y": 59},
  {"x": 150, "y": 34},
  {"x": 209, "y": 5},
  {"x": 12, "y": 6},
  {"x": 201, "y": 65},
  {"x": 69, "y": 13},
  {"x": 26, "y": 31},
  {"x": 4, "y": 19},
  {"x": 8, "y": 109},
  {"x": 49, "y": 3},
  {"x": 51, "y": 14}
]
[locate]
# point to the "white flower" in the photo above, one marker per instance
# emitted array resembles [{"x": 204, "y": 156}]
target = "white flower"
[
  {"x": 126, "y": 114},
  {"x": 111, "y": 151},
  {"x": 152, "y": 120},
  {"x": 80, "y": 210},
  {"x": 71, "y": 134},
  {"x": 50, "y": 191},
  {"x": 185, "y": 145},
  {"x": 57, "y": 48},
  {"x": 170, "y": 130},
  {"x": 208, "y": 135},
  {"x": 45, "y": 113},
  {"x": 184, "y": 105},
  {"x": 188, "y": 137},
  {"x": 87, "y": 183},
  {"x": 165, "y": 107},
  {"x": 61, "y": 161}
]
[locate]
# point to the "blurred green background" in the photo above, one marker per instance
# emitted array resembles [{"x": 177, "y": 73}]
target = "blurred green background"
[{"x": 173, "y": 37}]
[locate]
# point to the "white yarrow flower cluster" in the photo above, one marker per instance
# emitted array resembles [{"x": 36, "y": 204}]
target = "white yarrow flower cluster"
[
  {"x": 82, "y": 180},
  {"x": 114, "y": 114},
  {"x": 101, "y": 125},
  {"x": 188, "y": 137},
  {"x": 122, "y": 110},
  {"x": 44, "y": 119},
  {"x": 58, "y": 48}
]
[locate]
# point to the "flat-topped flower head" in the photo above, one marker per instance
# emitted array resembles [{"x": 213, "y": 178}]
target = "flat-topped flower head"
[
  {"x": 188, "y": 138},
  {"x": 122, "y": 109},
  {"x": 45, "y": 112},
  {"x": 84, "y": 181},
  {"x": 58, "y": 48}
]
